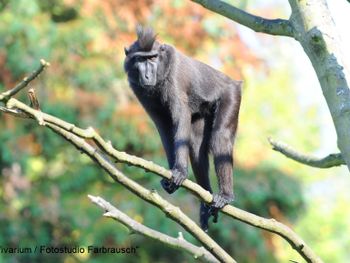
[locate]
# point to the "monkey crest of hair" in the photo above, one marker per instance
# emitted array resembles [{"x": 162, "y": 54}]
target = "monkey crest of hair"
[{"x": 145, "y": 37}]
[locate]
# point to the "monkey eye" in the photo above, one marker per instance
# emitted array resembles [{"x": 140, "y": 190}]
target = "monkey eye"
[{"x": 138, "y": 58}]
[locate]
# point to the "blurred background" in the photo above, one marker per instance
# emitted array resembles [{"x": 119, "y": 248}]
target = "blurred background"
[{"x": 45, "y": 181}]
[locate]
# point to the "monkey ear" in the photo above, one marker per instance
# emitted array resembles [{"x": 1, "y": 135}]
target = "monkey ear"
[
  {"x": 162, "y": 47},
  {"x": 126, "y": 51}
]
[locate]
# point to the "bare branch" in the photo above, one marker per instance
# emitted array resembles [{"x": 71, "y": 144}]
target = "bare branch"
[
  {"x": 5, "y": 96},
  {"x": 279, "y": 27},
  {"x": 152, "y": 197},
  {"x": 178, "y": 243},
  {"x": 330, "y": 160}
]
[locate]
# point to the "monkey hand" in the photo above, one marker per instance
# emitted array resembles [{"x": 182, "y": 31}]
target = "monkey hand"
[
  {"x": 172, "y": 184},
  {"x": 219, "y": 201}
]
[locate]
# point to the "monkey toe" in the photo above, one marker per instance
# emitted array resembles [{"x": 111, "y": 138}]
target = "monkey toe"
[
  {"x": 169, "y": 186},
  {"x": 178, "y": 180},
  {"x": 178, "y": 177}
]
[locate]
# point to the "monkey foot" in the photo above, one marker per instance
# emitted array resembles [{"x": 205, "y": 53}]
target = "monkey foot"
[{"x": 219, "y": 201}]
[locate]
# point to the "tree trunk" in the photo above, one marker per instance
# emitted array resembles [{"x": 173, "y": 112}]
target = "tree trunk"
[{"x": 314, "y": 28}]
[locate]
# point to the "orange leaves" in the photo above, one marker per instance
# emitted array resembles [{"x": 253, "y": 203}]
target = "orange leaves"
[
  {"x": 27, "y": 143},
  {"x": 5, "y": 74},
  {"x": 89, "y": 101}
]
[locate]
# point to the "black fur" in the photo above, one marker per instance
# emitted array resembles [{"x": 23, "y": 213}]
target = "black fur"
[{"x": 195, "y": 109}]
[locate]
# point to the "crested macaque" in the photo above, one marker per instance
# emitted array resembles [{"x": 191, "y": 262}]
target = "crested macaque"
[{"x": 195, "y": 109}]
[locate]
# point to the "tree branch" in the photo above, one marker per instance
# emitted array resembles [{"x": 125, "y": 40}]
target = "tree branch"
[
  {"x": 270, "y": 225},
  {"x": 77, "y": 135},
  {"x": 24, "y": 83},
  {"x": 178, "y": 243},
  {"x": 279, "y": 27},
  {"x": 330, "y": 160}
]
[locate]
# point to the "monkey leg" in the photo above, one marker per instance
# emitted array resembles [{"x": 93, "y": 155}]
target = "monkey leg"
[
  {"x": 223, "y": 161},
  {"x": 199, "y": 147},
  {"x": 221, "y": 144}
]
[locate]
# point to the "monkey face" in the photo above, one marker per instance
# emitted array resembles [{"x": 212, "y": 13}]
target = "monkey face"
[
  {"x": 147, "y": 69},
  {"x": 145, "y": 60},
  {"x": 144, "y": 65}
]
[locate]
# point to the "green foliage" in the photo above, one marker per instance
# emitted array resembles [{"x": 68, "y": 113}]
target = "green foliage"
[{"x": 264, "y": 189}]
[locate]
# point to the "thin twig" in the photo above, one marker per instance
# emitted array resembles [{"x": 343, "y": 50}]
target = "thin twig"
[
  {"x": 331, "y": 160},
  {"x": 5, "y": 96},
  {"x": 179, "y": 243}
]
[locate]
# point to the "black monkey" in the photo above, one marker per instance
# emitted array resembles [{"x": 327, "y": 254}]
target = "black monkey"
[{"x": 195, "y": 109}]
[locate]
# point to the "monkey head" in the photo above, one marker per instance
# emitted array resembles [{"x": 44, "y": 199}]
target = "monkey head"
[{"x": 146, "y": 59}]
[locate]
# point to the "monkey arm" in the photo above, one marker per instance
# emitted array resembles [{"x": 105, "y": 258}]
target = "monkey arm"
[
  {"x": 182, "y": 132},
  {"x": 181, "y": 118}
]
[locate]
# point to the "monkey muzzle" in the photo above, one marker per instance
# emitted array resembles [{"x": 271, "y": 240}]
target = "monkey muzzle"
[
  {"x": 147, "y": 64},
  {"x": 147, "y": 73}
]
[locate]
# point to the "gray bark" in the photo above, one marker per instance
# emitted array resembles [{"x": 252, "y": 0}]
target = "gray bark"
[{"x": 314, "y": 28}]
